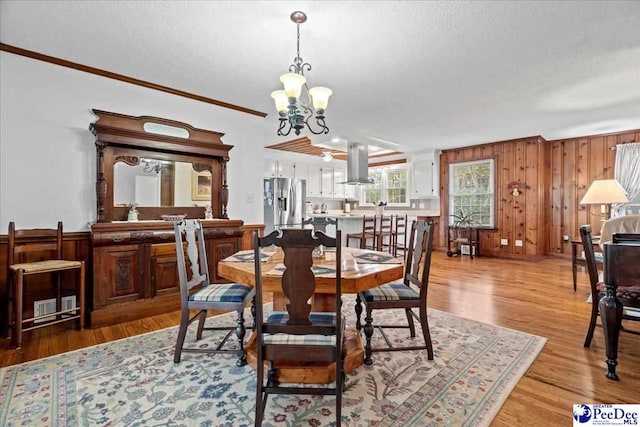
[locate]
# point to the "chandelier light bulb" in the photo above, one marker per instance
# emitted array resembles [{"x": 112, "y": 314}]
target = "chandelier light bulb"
[
  {"x": 320, "y": 96},
  {"x": 280, "y": 98},
  {"x": 293, "y": 84}
]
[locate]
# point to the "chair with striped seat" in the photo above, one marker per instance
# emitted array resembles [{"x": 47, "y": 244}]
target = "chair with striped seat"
[
  {"x": 403, "y": 295},
  {"x": 298, "y": 335},
  {"x": 198, "y": 293}
]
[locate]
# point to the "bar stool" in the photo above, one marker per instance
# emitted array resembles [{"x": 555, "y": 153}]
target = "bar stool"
[
  {"x": 368, "y": 232},
  {"x": 35, "y": 242},
  {"x": 385, "y": 232},
  {"x": 400, "y": 229}
]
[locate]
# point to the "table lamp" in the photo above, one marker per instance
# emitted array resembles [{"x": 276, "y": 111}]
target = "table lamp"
[{"x": 603, "y": 192}]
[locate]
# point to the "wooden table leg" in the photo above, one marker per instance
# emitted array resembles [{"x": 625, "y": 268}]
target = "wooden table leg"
[{"x": 611, "y": 316}]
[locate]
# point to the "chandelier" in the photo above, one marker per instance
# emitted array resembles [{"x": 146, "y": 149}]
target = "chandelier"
[{"x": 296, "y": 103}]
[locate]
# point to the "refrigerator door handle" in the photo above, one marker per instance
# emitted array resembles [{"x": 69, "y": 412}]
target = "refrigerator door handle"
[{"x": 292, "y": 196}]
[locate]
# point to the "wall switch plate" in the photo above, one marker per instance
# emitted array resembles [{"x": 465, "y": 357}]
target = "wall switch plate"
[
  {"x": 504, "y": 242},
  {"x": 519, "y": 243},
  {"x": 249, "y": 197}
]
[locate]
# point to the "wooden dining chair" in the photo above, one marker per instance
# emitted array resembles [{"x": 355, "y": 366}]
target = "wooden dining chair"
[
  {"x": 298, "y": 335},
  {"x": 369, "y": 228},
  {"x": 597, "y": 285},
  {"x": 198, "y": 293},
  {"x": 38, "y": 252},
  {"x": 402, "y": 295}
]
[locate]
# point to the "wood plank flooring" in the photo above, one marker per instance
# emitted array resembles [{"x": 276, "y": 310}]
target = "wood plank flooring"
[{"x": 533, "y": 297}]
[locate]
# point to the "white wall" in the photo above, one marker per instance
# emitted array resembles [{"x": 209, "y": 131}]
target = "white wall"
[{"x": 47, "y": 153}]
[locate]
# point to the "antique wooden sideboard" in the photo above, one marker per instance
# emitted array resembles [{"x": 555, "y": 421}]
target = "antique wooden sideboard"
[
  {"x": 134, "y": 266},
  {"x": 157, "y": 167}
]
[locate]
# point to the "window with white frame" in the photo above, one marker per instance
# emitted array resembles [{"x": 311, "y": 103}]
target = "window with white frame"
[
  {"x": 471, "y": 191},
  {"x": 390, "y": 185}
]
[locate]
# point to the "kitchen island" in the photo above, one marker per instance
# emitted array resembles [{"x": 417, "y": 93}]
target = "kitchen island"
[
  {"x": 347, "y": 223},
  {"x": 350, "y": 223}
]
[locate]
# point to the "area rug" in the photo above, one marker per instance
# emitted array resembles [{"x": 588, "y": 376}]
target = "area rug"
[{"x": 134, "y": 382}]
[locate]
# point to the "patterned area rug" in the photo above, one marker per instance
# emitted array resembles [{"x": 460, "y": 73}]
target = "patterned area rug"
[{"x": 134, "y": 382}]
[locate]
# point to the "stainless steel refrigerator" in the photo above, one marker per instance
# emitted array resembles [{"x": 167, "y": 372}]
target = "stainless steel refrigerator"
[{"x": 284, "y": 203}]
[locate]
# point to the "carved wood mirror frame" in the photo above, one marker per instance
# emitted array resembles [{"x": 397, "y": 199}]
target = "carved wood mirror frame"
[{"x": 121, "y": 138}]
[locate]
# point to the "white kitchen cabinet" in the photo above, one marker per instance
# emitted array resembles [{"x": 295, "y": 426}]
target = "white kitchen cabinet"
[
  {"x": 282, "y": 169},
  {"x": 286, "y": 169},
  {"x": 301, "y": 171},
  {"x": 326, "y": 182},
  {"x": 423, "y": 179},
  {"x": 270, "y": 168},
  {"x": 339, "y": 177},
  {"x": 314, "y": 182}
]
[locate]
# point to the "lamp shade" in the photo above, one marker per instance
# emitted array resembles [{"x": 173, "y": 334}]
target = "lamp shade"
[
  {"x": 320, "y": 96},
  {"x": 293, "y": 84},
  {"x": 605, "y": 191},
  {"x": 281, "y": 101}
]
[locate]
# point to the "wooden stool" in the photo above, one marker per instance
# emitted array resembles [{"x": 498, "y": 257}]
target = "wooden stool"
[
  {"x": 385, "y": 231},
  {"x": 368, "y": 232},
  {"x": 36, "y": 242},
  {"x": 400, "y": 229}
]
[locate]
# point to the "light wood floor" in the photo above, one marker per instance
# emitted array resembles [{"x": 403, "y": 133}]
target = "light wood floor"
[{"x": 533, "y": 297}]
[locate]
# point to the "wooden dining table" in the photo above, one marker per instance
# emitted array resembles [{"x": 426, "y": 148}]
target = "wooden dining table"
[{"x": 360, "y": 270}]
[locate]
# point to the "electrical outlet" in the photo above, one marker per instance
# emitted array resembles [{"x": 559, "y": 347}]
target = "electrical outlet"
[
  {"x": 249, "y": 198},
  {"x": 504, "y": 242},
  {"x": 565, "y": 238},
  {"x": 519, "y": 243}
]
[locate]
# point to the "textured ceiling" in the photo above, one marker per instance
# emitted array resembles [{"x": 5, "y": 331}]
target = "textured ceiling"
[{"x": 418, "y": 75}]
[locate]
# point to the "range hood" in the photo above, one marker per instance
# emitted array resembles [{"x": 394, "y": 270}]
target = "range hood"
[{"x": 357, "y": 164}]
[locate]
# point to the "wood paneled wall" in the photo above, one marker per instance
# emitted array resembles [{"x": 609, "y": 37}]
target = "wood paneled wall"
[
  {"x": 558, "y": 173},
  {"x": 574, "y": 164},
  {"x": 516, "y": 218}
]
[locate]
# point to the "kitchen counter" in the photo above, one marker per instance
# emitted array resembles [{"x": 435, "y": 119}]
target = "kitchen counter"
[{"x": 337, "y": 215}]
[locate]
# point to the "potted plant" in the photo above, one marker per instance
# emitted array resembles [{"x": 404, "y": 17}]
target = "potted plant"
[
  {"x": 379, "y": 207},
  {"x": 460, "y": 218}
]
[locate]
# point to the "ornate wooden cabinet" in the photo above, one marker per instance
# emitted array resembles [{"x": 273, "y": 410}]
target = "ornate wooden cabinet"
[
  {"x": 134, "y": 267},
  {"x": 134, "y": 262}
]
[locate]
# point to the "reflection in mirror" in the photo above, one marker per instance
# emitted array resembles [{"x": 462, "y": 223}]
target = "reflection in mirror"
[{"x": 157, "y": 183}]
